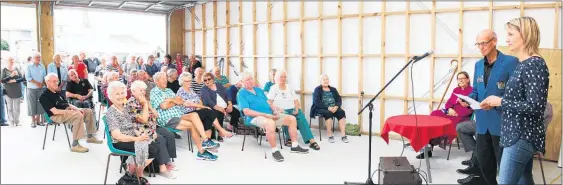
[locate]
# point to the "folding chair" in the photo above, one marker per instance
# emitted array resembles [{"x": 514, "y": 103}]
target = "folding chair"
[
  {"x": 257, "y": 133},
  {"x": 321, "y": 123},
  {"x": 190, "y": 145},
  {"x": 116, "y": 152},
  {"x": 50, "y": 122}
]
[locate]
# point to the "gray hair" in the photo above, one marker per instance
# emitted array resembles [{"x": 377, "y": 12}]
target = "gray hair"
[
  {"x": 110, "y": 74},
  {"x": 322, "y": 77},
  {"x": 36, "y": 54},
  {"x": 170, "y": 72},
  {"x": 278, "y": 74},
  {"x": 158, "y": 75},
  {"x": 51, "y": 75},
  {"x": 112, "y": 86},
  {"x": 138, "y": 84},
  {"x": 185, "y": 76},
  {"x": 72, "y": 71},
  {"x": 244, "y": 75}
]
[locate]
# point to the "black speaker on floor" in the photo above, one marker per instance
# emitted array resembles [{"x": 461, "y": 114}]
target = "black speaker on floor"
[{"x": 397, "y": 170}]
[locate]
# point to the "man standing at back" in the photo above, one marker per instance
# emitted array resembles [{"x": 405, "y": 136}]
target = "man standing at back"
[{"x": 491, "y": 74}]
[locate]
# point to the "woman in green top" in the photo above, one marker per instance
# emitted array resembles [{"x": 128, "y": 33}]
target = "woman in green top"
[{"x": 269, "y": 84}]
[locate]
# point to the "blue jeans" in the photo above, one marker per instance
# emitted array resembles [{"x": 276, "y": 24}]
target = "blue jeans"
[{"x": 516, "y": 163}]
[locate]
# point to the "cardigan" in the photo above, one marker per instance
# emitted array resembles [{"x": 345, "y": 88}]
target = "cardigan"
[
  {"x": 210, "y": 96},
  {"x": 318, "y": 99}
]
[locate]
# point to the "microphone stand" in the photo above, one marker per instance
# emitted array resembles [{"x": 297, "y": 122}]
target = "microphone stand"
[{"x": 369, "y": 180}]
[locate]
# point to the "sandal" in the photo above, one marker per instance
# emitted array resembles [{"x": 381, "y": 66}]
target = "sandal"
[
  {"x": 288, "y": 143},
  {"x": 314, "y": 146}
]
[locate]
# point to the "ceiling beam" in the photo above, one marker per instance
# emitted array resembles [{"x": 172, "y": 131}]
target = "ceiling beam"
[
  {"x": 91, "y": 3},
  {"x": 121, "y": 5},
  {"x": 152, "y": 5}
]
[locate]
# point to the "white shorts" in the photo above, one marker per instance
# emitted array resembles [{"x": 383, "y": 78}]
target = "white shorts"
[{"x": 260, "y": 121}]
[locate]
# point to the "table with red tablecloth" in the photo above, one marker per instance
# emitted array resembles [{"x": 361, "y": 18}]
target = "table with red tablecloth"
[
  {"x": 429, "y": 127},
  {"x": 419, "y": 129}
]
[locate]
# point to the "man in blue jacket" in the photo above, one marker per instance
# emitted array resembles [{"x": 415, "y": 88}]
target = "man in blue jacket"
[{"x": 491, "y": 74}]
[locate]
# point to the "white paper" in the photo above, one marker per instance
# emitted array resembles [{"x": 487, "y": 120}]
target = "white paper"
[{"x": 475, "y": 105}]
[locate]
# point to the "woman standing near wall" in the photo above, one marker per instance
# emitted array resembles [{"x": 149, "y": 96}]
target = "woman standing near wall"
[{"x": 523, "y": 104}]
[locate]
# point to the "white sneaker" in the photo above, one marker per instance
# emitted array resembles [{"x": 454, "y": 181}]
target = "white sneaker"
[{"x": 168, "y": 175}]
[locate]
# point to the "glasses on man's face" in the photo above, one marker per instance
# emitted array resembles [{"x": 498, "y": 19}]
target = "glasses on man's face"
[
  {"x": 483, "y": 44},
  {"x": 206, "y": 79}
]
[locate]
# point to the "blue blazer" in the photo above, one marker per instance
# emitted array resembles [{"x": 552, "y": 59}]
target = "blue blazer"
[{"x": 489, "y": 120}]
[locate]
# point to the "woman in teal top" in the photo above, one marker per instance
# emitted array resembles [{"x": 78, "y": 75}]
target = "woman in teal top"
[
  {"x": 269, "y": 84},
  {"x": 328, "y": 104},
  {"x": 221, "y": 79}
]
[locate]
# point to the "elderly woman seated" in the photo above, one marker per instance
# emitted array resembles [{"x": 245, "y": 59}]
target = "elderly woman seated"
[
  {"x": 173, "y": 80},
  {"x": 453, "y": 110},
  {"x": 283, "y": 97},
  {"x": 194, "y": 105},
  {"x": 221, "y": 79},
  {"x": 197, "y": 82},
  {"x": 327, "y": 103},
  {"x": 127, "y": 135},
  {"x": 171, "y": 116},
  {"x": 144, "y": 116},
  {"x": 214, "y": 95}
]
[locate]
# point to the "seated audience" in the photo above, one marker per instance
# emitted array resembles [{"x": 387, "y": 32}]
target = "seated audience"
[
  {"x": 271, "y": 79},
  {"x": 150, "y": 67},
  {"x": 194, "y": 105},
  {"x": 60, "y": 111},
  {"x": 258, "y": 112},
  {"x": 79, "y": 91},
  {"x": 143, "y": 116},
  {"x": 130, "y": 64},
  {"x": 168, "y": 62},
  {"x": 328, "y": 103},
  {"x": 221, "y": 79},
  {"x": 453, "y": 110},
  {"x": 127, "y": 135},
  {"x": 169, "y": 115},
  {"x": 173, "y": 80},
  {"x": 110, "y": 77},
  {"x": 214, "y": 95},
  {"x": 114, "y": 66},
  {"x": 194, "y": 64},
  {"x": 282, "y": 96},
  {"x": 197, "y": 82}
]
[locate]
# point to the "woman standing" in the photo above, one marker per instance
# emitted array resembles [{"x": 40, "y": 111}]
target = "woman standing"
[
  {"x": 523, "y": 104},
  {"x": 59, "y": 68},
  {"x": 11, "y": 80}
]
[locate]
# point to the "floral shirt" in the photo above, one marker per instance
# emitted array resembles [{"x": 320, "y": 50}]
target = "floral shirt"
[
  {"x": 134, "y": 108},
  {"x": 190, "y": 96}
]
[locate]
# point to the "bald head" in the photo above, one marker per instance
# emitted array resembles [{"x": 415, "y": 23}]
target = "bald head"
[
  {"x": 487, "y": 34},
  {"x": 486, "y": 42}
]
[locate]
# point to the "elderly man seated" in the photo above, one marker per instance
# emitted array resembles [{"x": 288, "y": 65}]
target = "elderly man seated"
[
  {"x": 258, "y": 112},
  {"x": 79, "y": 91},
  {"x": 61, "y": 112},
  {"x": 169, "y": 115}
]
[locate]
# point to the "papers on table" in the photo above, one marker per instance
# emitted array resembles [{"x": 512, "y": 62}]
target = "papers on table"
[{"x": 472, "y": 103}]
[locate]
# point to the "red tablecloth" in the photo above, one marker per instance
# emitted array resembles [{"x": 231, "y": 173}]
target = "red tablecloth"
[{"x": 429, "y": 127}]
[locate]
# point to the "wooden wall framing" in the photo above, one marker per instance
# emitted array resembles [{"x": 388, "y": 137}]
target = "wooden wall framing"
[{"x": 406, "y": 98}]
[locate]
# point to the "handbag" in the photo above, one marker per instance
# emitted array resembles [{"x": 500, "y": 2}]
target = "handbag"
[{"x": 131, "y": 179}]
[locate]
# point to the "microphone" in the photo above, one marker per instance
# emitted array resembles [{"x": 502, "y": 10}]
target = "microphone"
[{"x": 417, "y": 58}]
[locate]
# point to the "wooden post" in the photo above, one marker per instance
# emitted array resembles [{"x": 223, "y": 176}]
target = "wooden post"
[
  {"x": 320, "y": 37},
  {"x": 360, "y": 60},
  {"x": 204, "y": 39},
  {"x": 302, "y": 38},
  {"x": 460, "y": 38},
  {"x": 382, "y": 76},
  {"x": 214, "y": 33},
  {"x": 269, "y": 36},
  {"x": 339, "y": 46},
  {"x": 433, "y": 58},
  {"x": 240, "y": 36},
  {"x": 228, "y": 43},
  {"x": 192, "y": 22},
  {"x": 407, "y": 56},
  {"x": 45, "y": 31},
  {"x": 285, "y": 34}
]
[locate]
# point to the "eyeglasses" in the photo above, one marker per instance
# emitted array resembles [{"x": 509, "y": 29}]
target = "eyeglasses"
[
  {"x": 481, "y": 44},
  {"x": 207, "y": 79}
]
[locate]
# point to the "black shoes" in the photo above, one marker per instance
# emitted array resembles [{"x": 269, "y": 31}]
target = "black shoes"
[
  {"x": 470, "y": 170},
  {"x": 466, "y": 162},
  {"x": 470, "y": 180}
]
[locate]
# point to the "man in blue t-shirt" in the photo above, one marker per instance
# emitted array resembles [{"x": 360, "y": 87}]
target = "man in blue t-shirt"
[{"x": 258, "y": 112}]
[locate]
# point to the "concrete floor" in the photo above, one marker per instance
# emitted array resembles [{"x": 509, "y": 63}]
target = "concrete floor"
[{"x": 24, "y": 162}]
